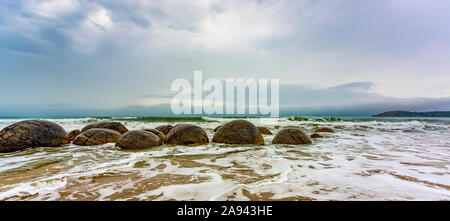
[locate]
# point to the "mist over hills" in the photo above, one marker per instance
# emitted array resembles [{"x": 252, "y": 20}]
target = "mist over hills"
[
  {"x": 355, "y": 99},
  {"x": 413, "y": 114}
]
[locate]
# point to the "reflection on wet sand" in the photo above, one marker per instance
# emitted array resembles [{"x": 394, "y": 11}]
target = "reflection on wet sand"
[{"x": 361, "y": 161}]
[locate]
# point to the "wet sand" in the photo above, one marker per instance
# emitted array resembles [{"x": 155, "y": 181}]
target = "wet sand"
[{"x": 362, "y": 161}]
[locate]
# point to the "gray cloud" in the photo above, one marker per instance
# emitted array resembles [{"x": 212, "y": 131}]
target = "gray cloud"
[
  {"x": 353, "y": 99},
  {"x": 98, "y": 54}
]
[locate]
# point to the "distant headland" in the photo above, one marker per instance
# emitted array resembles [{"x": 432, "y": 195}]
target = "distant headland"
[{"x": 400, "y": 113}]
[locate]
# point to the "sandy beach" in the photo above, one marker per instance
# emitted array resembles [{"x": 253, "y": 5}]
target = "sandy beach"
[{"x": 365, "y": 159}]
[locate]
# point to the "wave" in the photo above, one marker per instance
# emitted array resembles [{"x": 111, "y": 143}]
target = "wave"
[
  {"x": 366, "y": 159},
  {"x": 368, "y": 119},
  {"x": 159, "y": 119}
]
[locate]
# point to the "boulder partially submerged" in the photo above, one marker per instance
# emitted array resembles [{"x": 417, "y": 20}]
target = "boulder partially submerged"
[
  {"x": 217, "y": 128},
  {"x": 264, "y": 130},
  {"x": 238, "y": 132},
  {"x": 158, "y": 133},
  {"x": 291, "y": 136},
  {"x": 72, "y": 134},
  {"x": 315, "y": 135},
  {"x": 165, "y": 128},
  {"x": 138, "y": 139},
  {"x": 324, "y": 130},
  {"x": 32, "y": 133},
  {"x": 117, "y": 126},
  {"x": 96, "y": 136},
  {"x": 187, "y": 134}
]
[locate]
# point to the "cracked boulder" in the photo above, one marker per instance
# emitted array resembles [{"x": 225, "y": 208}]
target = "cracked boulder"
[
  {"x": 158, "y": 133},
  {"x": 238, "y": 132},
  {"x": 138, "y": 139},
  {"x": 264, "y": 130},
  {"x": 187, "y": 134},
  {"x": 165, "y": 129},
  {"x": 291, "y": 136},
  {"x": 119, "y": 127},
  {"x": 32, "y": 133},
  {"x": 96, "y": 136},
  {"x": 72, "y": 134}
]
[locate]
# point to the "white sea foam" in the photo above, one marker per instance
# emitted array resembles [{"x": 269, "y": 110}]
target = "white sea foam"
[{"x": 366, "y": 159}]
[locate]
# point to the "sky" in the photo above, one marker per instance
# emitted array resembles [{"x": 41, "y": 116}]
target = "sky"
[{"x": 336, "y": 57}]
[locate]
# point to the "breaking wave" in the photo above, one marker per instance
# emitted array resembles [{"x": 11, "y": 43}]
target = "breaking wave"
[{"x": 366, "y": 159}]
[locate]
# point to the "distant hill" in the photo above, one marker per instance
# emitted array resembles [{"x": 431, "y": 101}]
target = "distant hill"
[{"x": 413, "y": 114}]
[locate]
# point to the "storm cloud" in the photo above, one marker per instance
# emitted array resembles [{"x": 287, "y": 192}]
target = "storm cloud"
[{"x": 108, "y": 55}]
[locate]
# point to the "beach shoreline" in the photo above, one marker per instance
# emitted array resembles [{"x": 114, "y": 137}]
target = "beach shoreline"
[{"x": 366, "y": 159}]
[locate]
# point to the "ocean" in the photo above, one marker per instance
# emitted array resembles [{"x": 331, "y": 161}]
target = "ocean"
[{"x": 366, "y": 159}]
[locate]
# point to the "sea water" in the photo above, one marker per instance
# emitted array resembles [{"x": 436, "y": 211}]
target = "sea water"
[{"x": 366, "y": 159}]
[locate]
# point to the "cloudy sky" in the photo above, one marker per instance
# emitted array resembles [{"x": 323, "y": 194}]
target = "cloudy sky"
[{"x": 89, "y": 56}]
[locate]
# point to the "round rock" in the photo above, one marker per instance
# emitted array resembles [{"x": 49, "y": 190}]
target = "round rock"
[
  {"x": 291, "y": 136},
  {"x": 217, "y": 128},
  {"x": 32, "y": 133},
  {"x": 238, "y": 132},
  {"x": 324, "y": 130},
  {"x": 264, "y": 130},
  {"x": 315, "y": 135},
  {"x": 187, "y": 134},
  {"x": 138, "y": 139},
  {"x": 72, "y": 134},
  {"x": 165, "y": 129},
  {"x": 158, "y": 133},
  {"x": 119, "y": 127},
  {"x": 96, "y": 136}
]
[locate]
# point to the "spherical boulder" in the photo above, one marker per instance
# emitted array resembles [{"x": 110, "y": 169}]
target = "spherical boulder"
[
  {"x": 32, "y": 133},
  {"x": 96, "y": 136},
  {"x": 291, "y": 136},
  {"x": 325, "y": 130},
  {"x": 138, "y": 139},
  {"x": 119, "y": 127},
  {"x": 217, "y": 128},
  {"x": 165, "y": 128},
  {"x": 72, "y": 134},
  {"x": 264, "y": 130},
  {"x": 187, "y": 134},
  {"x": 238, "y": 132},
  {"x": 158, "y": 133},
  {"x": 315, "y": 135}
]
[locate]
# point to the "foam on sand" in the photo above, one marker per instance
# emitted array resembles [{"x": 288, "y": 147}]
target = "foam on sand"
[{"x": 366, "y": 159}]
